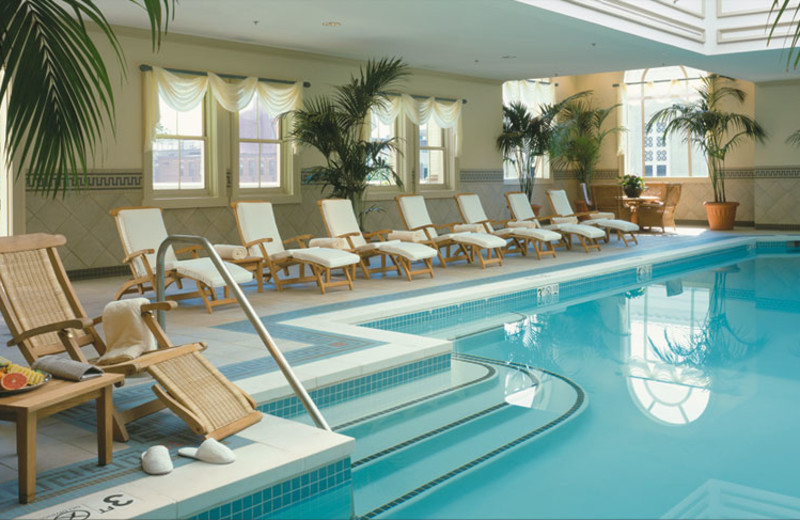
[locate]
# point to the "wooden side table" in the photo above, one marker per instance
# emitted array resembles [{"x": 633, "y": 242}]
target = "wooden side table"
[
  {"x": 634, "y": 202},
  {"x": 26, "y": 408}
]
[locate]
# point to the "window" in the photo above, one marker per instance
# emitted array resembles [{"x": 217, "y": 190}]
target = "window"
[
  {"x": 179, "y": 149},
  {"x": 532, "y": 93},
  {"x": 259, "y": 148},
  {"x": 380, "y": 131},
  {"x": 648, "y": 153},
  {"x": 432, "y": 151}
]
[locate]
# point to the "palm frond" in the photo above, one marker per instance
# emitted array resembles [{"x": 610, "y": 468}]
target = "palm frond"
[
  {"x": 794, "y": 139},
  {"x": 62, "y": 96},
  {"x": 793, "y": 57}
]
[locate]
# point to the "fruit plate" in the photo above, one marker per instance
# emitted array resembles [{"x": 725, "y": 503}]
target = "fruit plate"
[{"x": 5, "y": 393}]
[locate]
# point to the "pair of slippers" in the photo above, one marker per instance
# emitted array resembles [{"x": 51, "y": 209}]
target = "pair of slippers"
[{"x": 156, "y": 459}]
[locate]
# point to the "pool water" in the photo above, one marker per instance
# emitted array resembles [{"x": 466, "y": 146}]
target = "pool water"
[{"x": 675, "y": 399}]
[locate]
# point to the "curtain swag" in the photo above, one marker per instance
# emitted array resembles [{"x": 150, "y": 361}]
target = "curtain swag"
[
  {"x": 184, "y": 93},
  {"x": 419, "y": 111}
]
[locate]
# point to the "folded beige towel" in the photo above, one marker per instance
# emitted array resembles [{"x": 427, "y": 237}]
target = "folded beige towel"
[
  {"x": 230, "y": 251},
  {"x": 67, "y": 368},
  {"x": 127, "y": 335}
]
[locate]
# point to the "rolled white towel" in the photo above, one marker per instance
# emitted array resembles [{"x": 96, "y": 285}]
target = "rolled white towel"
[
  {"x": 230, "y": 251},
  {"x": 127, "y": 335}
]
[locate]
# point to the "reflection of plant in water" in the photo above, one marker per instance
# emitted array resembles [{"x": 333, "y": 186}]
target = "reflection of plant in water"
[
  {"x": 635, "y": 293},
  {"x": 717, "y": 342}
]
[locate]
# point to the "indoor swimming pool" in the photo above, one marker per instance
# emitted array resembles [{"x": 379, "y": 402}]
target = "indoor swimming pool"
[{"x": 666, "y": 391}]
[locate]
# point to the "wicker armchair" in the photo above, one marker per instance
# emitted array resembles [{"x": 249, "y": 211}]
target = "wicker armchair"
[
  {"x": 662, "y": 214},
  {"x": 608, "y": 198}
]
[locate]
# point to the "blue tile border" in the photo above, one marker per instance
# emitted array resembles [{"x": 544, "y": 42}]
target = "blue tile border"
[{"x": 270, "y": 501}]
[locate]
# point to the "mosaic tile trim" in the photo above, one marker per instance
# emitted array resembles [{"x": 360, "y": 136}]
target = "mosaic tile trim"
[
  {"x": 490, "y": 373},
  {"x": 270, "y": 501},
  {"x": 100, "y": 181},
  {"x": 579, "y": 401},
  {"x": 773, "y": 173},
  {"x": 481, "y": 176},
  {"x": 339, "y": 392}
]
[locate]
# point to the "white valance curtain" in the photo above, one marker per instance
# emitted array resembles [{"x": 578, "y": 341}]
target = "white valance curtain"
[
  {"x": 446, "y": 114},
  {"x": 184, "y": 93},
  {"x": 532, "y": 94}
]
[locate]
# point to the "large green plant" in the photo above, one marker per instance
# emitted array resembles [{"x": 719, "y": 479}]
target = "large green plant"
[
  {"x": 335, "y": 126},
  {"x": 715, "y": 131},
  {"x": 779, "y": 8},
  {"x": 61, "y": 97},
  {"x": 579, "y": 135},
  {"x": 526, "y": 136}
]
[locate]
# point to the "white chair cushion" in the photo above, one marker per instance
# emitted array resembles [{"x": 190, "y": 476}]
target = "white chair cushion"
[
  {"x": 408, "y": 250},
  {"x": 341, "y": 219},
  {"x": 143, "y": 228},
  {"x": 531, "y": 224},
  {"x": 257, "y": 221},
  {"x": 545, "y": 235},
  {"x": 203, "y": 270},
  {"x": 330, "y": 258},
  {"x": 407, "y": 236},
  {"x": 602, "y": 215},
  {"x": 580, "y": 229},
  {"x": 481, "y": 240},
  {"x": 415, "y": 212},
  {"x": 618, "y": 225},
  {"x": 280, "y": 256},
  {"x": 471, "y": 207},
  {"x": 560, "y": 202},
  {"x": 520, "y": 206},
  {"x": 564, "y": 220},
  {"x": 449, "y": 236},
  {"x": 332, "y": 243}
]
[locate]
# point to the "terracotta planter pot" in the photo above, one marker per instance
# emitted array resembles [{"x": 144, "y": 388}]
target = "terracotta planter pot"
[{"x": 721, "y": 215}]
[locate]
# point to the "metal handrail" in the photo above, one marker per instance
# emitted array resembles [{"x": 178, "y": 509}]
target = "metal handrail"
[{"x": 273, "y": 349}]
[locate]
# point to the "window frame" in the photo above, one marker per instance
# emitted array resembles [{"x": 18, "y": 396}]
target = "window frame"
[
  {"x": 388, "y": 192},
  {"x": 450, "y": 186},
  {"x": 214, "y": 192}
]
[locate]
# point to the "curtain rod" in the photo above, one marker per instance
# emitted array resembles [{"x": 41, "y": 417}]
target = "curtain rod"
[
  {"x": 543, "y": 82},
  {"x": 144, "y": 68},
  {"x": 656, "y": 81},
  {"x": 419, "y": 96}
]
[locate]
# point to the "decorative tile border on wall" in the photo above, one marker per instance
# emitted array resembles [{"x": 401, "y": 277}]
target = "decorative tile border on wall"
[
  {"x": 269, "y": 502},
  {"x": 481, "y": 176},
  {"x": 773, "y": 173},
  {"x": 605, "y": 175},
  {"x": 120, "y": 180},
  {"x": 347, "y": 390}
]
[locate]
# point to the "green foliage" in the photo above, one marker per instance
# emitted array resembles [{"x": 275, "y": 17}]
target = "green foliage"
[
  {"x": 703, "y": 123},
  {"x": 779, "y": 7},
  {"x": 794, "y": 139},
  {"x": 334, "y": 125},
  {"x": 61, "y": 97},
  {"x": 526, "y": 136},
  {"x": 579, "y": 136},
  {"x": 632, "y": 183}
]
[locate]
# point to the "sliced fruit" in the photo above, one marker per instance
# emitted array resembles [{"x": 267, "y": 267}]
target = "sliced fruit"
[{"x": 14, "y": 381}]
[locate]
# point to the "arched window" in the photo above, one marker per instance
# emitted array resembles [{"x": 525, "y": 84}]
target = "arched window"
[{"x": 645, "y": 92}]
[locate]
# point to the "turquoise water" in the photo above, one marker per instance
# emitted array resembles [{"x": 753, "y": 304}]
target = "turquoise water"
[{"x": 675, "y": 399}]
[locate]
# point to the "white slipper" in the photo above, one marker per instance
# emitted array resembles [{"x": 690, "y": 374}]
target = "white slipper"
[
  {"x": 156, "y": 460},
  {"x": 210, "y": 451}
]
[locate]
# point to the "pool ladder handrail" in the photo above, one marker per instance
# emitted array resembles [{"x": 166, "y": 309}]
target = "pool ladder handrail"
[{"x": 244, "y": 303}]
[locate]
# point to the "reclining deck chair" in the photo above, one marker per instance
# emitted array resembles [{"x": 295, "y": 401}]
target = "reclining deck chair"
[
  {"x": 471, "y": 210},
  {"x": 606, "y": 221},
  {"x": 340, "y": 221},
  {"x": 141, "y": 231},
  {"x": 417, "y": 221},
  {"x": 523, "y": 216},
  {"x": 259, "y": 233},
  {"x": 45, "y": 317}
]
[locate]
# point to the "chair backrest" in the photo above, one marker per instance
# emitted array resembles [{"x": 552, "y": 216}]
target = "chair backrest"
[
  {"x": 559, "y": 202},
  {"x": 608, "y": 197},
  {"x": 673, "y": 195},
  {"x": 256, "y": 220},
  {"x": 655, "y": 189},
  {"x": 340, "y": 219},
  {"x": 414, "y": 213},
  {"x": 519, "y": 206},
  {"x": 471, "y": 209},
  {"x": 143, "y": 228},
  {"x": 35, "y": 291}
]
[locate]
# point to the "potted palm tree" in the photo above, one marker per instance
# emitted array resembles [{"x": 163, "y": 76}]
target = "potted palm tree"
[
  {"x": 578, "y": 136},
  {"x": 335, "y": 126},
  {"x": 715, "y": 131}
]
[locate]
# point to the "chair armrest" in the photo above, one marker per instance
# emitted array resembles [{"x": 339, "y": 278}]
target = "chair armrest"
[
  {"x": 381, "y": 234},
  {"x": 449, "y": 226},
  {"x": 257, "y": 242},
  {"x": 544, "y": 219},
  {"x": 138, "y": 253},
  {"x": 300, "y": 239},
  {"x": 159, "y": 306},
  {"x": 501, "y": 223},
  {"x": 75, "y": 323},
  {"x": 189, "y": 249}
]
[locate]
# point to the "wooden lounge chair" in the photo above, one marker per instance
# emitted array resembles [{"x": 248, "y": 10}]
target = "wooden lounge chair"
[
  {"x": 563, "y": 210},
  {"x": 45, "y": 317},
  {"x": 471, "y": 210},
  {"x": 340, "y": 221},
  {"x": 141, "y": 231},
  {"x": 417, "y": 221},
  {"x": 259, "y": 233}
]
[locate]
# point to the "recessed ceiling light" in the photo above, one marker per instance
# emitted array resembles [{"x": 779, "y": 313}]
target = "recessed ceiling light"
[
  {"x": 508, "y": 57},
  {"x": 331, "y": 24}
]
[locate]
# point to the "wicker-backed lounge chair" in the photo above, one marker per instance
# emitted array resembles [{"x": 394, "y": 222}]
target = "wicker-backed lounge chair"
[
  {"x": 471, "y": 210},
  {"x": 606, "y": 221},
  {"x": 417, "y": 221},
  {"x": 340, "y": 221},
  {"x": 141, "y": 231},
  {"x": 45, "y": 317},
  {"x": 259, "y": 234}
]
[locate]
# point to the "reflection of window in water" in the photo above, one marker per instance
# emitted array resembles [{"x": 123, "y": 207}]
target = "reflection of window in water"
[{"x": 666, "y": 392}]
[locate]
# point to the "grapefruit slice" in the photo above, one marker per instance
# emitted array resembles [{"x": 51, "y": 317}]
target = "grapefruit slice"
[{"x": 14, "y": 381}]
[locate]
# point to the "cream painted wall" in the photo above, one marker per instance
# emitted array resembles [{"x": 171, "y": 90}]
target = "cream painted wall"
[{"x": 778, "y": 109}]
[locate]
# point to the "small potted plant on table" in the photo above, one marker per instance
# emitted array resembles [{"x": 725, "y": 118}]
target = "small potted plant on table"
[{"x": 632, "y": 185}]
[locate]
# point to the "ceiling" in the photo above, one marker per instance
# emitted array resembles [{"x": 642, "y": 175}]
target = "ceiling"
[{"x": 492, "y": 39}]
